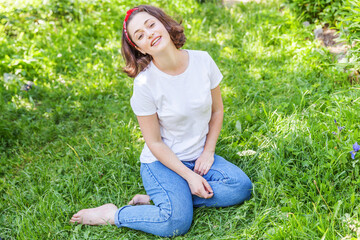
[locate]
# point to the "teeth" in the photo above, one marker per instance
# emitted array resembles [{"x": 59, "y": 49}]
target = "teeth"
[{"x": 155, "y": 41}]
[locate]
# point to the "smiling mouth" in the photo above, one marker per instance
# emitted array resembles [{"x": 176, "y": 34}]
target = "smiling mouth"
[{"x": 155, "y": 41}]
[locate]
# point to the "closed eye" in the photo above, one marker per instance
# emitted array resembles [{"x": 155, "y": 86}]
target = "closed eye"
[
  {"x": 152, "y": 25},
  {"x": 140, "y": 36}
]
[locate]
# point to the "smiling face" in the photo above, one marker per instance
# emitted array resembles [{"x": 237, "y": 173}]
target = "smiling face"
[{"x": 148, "y": 33}]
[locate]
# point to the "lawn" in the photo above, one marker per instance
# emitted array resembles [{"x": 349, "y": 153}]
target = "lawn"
[{"x": 72, "y": 140}]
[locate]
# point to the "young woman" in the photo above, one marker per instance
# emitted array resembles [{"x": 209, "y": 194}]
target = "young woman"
[{"x": 178, "y": 105}]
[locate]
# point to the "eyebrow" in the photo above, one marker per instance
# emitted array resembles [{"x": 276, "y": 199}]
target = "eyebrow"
[{"x": 144, "y": 24}]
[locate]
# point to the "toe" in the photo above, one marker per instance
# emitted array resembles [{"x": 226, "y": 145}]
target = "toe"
[{"x": 75, "y": 219}]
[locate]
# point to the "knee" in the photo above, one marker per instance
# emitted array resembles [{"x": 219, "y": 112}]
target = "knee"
[
  {"x": 244, "y": 182},
  {"x": 176, "y": 226},
  {"x": 246, "y": 187},
  {"x": 243, "y": 187}
]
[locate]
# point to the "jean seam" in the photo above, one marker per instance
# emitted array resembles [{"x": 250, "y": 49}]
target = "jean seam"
[
  {"x": 168, "y": 199},
  {"x": 226, "y": 177},
  {"x": 117, "y": 213},
  {"x": 167, "y": 195}
]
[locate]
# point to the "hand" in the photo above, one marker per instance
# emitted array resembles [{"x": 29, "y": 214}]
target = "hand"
[
  {"x": 204, "y": 163},
  {"x": 199, "y": 186}
]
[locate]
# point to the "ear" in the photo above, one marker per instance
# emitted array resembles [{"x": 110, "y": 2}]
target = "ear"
[{"x": 139, "y": 49}]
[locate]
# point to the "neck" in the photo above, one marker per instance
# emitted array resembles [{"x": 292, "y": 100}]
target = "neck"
[{"x": 172, "y": 61}]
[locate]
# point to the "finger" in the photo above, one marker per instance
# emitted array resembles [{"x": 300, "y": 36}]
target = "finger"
[
  {"x": 207, "y": 170},
  {"x": 199, "y": 169},
  {"x": 201, "y": 192},
  {"x": 205, "y": 194},
  {"x": 207, "y": 186},
  {"x": 202, "y": 169},
  {"x": 196, "y": 168},
  {"x": 131, "y": 202}
]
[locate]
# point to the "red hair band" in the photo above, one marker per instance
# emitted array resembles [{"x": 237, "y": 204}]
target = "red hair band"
[{"x": 128, "y": 13}]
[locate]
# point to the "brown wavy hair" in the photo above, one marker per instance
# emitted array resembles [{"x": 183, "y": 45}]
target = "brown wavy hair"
[{"x": 135, "y": 60}]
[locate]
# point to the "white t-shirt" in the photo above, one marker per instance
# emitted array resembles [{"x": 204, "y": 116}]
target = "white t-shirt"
[{"x": 182, "y": 103}]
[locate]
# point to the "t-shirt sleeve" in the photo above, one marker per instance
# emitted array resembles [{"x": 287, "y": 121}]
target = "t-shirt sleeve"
[
  {"x": 214, "y": 73},
  {"x": 142, "y": 101}
]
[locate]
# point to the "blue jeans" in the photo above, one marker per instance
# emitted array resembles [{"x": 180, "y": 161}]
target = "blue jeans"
[{"x": 172, "y": 212}]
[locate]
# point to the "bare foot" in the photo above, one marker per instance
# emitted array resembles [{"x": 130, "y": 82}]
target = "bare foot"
[
  {"x": 102, "y": 215},
  {"x": 140, "y": 199}
]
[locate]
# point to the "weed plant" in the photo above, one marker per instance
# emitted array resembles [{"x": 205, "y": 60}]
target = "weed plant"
[
  {"x": 343, "y": 15},
  {"x": 323, "y": 10},
  {"x": 349, "y": 28},
  {"x": 71, "y": 141}
]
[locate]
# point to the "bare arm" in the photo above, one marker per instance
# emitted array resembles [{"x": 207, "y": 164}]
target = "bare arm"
[
  {"x": 217, "y": 115},
  {"x": 205, "y": 161},
  {"x": 150, "y": 129}
]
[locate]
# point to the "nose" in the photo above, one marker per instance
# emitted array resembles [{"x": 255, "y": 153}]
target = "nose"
[{"x": 150, "y": 33}]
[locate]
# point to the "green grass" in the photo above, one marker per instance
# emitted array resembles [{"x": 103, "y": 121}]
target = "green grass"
[{"x": 73, "y": 142}]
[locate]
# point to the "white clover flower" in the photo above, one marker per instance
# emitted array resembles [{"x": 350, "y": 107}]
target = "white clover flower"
[{"x": 246, "y": 153}]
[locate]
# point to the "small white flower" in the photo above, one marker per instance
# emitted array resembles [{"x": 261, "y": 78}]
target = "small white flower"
[{"x": 246, "y": 153}]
